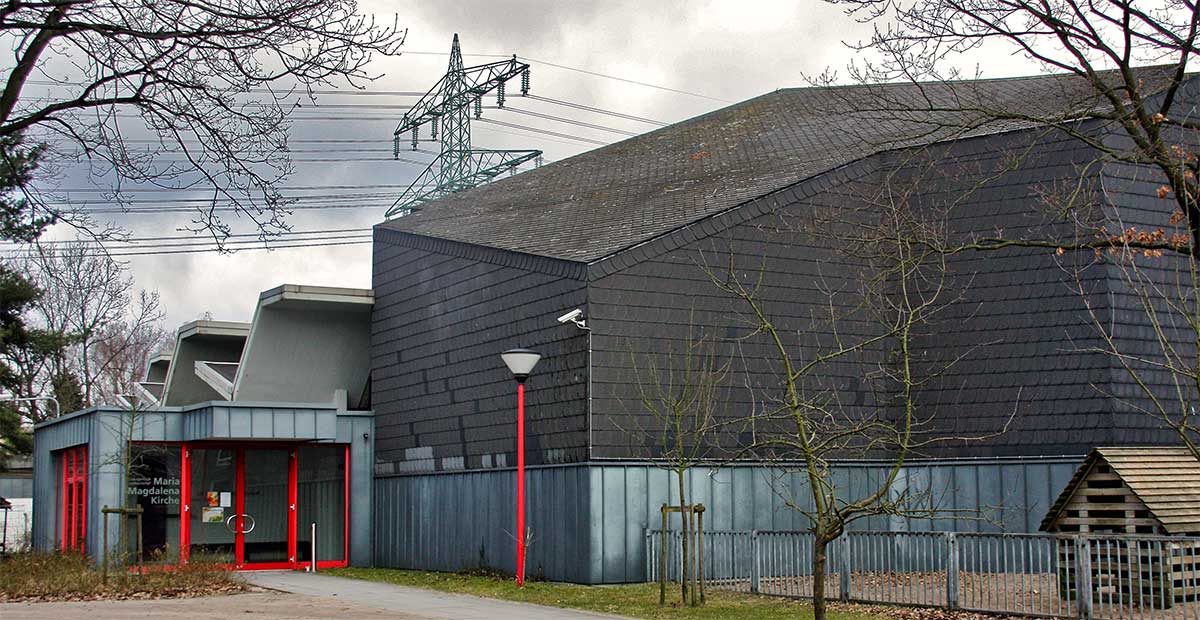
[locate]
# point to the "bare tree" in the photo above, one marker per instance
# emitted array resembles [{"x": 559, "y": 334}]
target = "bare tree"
[
  {"x": 1160, "y": 292},
  {"x": 89, "y": 299},
  {"x": 887, "y": 285},
  {"x": 1139, "y": 123},
  {"x": 1142, "y": 115},
  {"x": 684, "y": 390},
  {"x": 176, "y": 93},
  {"x": 123, "y": 349}
]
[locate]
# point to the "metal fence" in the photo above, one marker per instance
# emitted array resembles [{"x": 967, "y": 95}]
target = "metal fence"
[{"x": 1062, "y": 576}]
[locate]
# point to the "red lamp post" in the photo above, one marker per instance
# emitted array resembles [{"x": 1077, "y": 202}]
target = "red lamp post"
[{"x": 521, "y": 363}]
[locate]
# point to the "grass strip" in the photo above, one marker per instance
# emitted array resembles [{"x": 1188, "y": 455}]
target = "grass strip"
[{"x": 632, "y": 600}]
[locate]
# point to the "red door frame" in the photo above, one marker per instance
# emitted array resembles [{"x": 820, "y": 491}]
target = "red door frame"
[
  {"x": 73, "y": 497},
  {"x": 185, "y": 521}
]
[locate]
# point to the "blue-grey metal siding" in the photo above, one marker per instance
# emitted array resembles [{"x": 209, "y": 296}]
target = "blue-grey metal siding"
[
  {"x": 15, "y": 486},
  {"x": 466, "y": 520},
  {"x": 358, "y": 430},
  {"x": 588, "y": 521},
  {"x": 72, "y": 431},
  {"x": 103, "y": 430},
  {"x": 243, "y": 421}
]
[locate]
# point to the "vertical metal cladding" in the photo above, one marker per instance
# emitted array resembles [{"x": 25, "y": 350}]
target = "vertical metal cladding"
[
  {"x": 465, "y": 520},
  {"x": 589, "y": 521}
]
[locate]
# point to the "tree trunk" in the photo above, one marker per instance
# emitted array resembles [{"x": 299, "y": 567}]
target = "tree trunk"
[
  {"x": 818, "y": 558},
  {"x": 685, "y": 566}
]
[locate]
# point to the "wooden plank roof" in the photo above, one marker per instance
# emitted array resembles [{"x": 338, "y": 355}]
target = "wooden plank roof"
[{"x": 1165, "y": 479}]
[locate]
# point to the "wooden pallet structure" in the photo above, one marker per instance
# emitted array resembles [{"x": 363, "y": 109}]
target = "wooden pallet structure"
[{"x": 1131, "y": 491}]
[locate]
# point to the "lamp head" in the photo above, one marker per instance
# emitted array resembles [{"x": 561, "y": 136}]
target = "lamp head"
[{"x": 520, "y": 362}]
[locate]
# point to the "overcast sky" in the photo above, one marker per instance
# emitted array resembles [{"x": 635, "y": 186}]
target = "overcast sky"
[{"x": 729, "y": 50}]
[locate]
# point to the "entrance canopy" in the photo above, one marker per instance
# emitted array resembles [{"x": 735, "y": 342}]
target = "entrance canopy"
[{"x": 282, "y": 468}]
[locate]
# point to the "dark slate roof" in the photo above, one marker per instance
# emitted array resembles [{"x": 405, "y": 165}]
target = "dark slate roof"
[{"x": 597, "y": 203}]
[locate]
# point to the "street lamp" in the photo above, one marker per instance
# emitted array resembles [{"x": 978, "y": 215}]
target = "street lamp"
[
  {"x": 4, "y": 398},
  {"x": 520, "y": 362}
]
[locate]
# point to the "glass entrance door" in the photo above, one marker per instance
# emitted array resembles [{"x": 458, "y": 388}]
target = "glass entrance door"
[
  {"x": 268, "y": 530},
  {"x": 214, "y": 482},
  {"x": 242, "y": 506}
]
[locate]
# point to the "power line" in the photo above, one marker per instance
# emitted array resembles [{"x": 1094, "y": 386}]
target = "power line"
[
  {"x": 236, "y": 243},
  {"x": 388, "y": 118},
  {"x": 627, "y": 80},
  {"x": 588, "y": 108},
  {"x": 569, "y": 121},
  {"x": 256, "y": 236},
  {"x": 226, "y": 209},
  {"x": 527, "y": 134},
  {"x": 541, "y": 131},
  {"x": 586, "y": 72},
  {"x": 177, "y": 189},
  {"x": 216, "y": 249},
  {"x": 204, "y": 201}
]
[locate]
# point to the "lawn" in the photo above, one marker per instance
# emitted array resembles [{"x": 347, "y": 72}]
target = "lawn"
[{"x": 635, "y": 600}]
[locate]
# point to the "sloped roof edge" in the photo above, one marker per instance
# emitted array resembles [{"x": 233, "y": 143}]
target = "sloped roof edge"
[{"x": 1135, "y": 466}]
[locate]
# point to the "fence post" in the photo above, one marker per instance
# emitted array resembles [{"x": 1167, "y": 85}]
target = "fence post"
[
  {"x": 755, "y": 563},
  {"x": 951, "y": 570},
  {"x": 104, "y": 544},
  {"x": 1083, "y": 577},
  {"x": 844, "y": 565},
  {"x": 649, "y": 554}
]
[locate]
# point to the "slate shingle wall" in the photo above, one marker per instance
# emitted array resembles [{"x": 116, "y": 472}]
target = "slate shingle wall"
[
  {"x": 1131, "y": 192},
  {"x": 1020, "y": 334},
  {"x": 442, "y": 397},
  {"x": 1019, "y": 331}
]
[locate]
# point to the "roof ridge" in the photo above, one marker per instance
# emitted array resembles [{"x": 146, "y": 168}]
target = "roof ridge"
[{"x": 981, "y": 80}]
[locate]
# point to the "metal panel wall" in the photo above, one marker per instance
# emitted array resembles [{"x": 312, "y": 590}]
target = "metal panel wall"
[
  {"x": 104, "y": 430},
  {"x": 13, "y": 486},
  {"x": 1008, "y": 495},
  {"x": 458, "y": 521},
  {"x": 359, "y": 432},
  {"x": 589, "y": 520},
  {"x": 71, "y": 431}
]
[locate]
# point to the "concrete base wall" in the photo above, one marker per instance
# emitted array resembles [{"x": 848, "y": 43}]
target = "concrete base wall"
[{"x": 588, "y": 520}]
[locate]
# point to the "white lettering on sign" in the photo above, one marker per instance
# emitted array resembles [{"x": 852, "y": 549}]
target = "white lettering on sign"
[{"x": 157, "y": 491}]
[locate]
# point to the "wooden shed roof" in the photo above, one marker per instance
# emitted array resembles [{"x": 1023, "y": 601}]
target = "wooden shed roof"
[{"x": 1165, "y": 479}]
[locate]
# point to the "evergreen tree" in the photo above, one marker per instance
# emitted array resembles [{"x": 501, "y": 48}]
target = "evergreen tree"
[
  {"x": 16, "y": 294},
  {"x": 68, "y": 391},
  {"x": 15, "y": 438},
  {"x": 17, "y": 164}
]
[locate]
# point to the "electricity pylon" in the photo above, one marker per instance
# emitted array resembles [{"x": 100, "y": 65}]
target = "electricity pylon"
[{"x": 447, "y": 106}]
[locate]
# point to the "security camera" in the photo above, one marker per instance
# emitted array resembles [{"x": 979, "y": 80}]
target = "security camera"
[{"x": 571, "y": 317}]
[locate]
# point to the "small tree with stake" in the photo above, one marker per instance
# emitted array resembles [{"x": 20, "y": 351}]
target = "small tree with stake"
[{"x": 683, "y": 388}]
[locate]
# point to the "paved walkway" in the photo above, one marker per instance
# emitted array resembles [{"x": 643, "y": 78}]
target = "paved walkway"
[
  {"x": 256, "y": 605},
  {"x": 412, "y": 602}
]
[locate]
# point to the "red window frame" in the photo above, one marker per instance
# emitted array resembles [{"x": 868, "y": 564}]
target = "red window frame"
[
  {"x": 185, "y": 525},
  {"x": 73, "y": 487}
]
